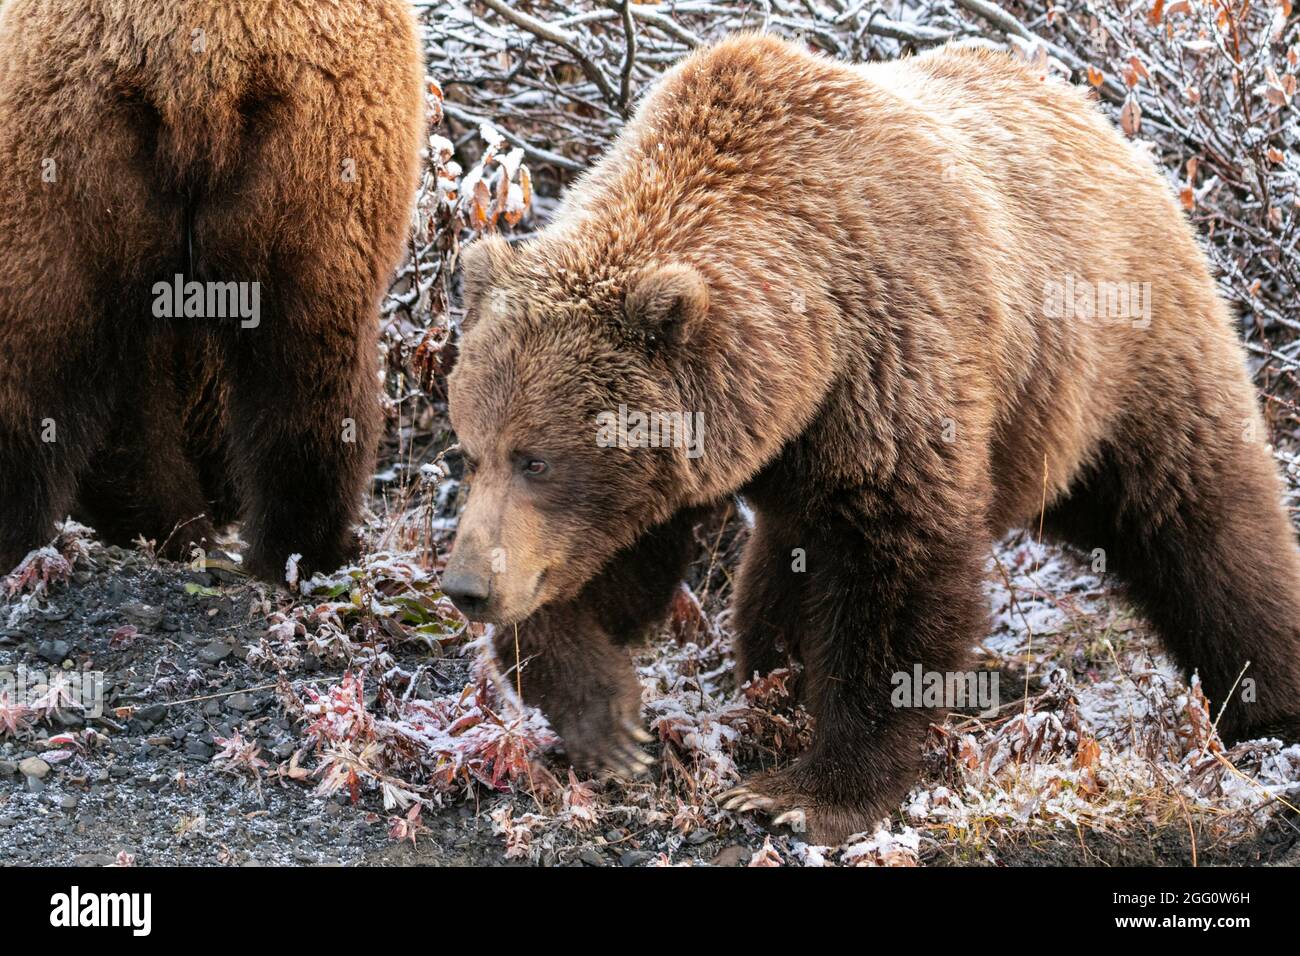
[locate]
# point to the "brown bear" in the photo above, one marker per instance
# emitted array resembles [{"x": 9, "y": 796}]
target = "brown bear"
[
  {"x": 913, "y": 304},
  {"x": 204, "y": 201}
]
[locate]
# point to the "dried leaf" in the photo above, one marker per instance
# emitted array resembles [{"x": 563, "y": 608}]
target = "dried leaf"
[
  {"x": 1130, "y": 117},
  {"x": 481, "y": 205},
  {"x": 526, "y": 184}
]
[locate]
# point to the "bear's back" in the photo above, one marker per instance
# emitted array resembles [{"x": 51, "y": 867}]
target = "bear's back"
[{"x": 926, "y": 212}]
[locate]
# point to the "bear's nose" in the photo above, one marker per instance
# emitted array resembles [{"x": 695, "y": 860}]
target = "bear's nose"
[{"x": 467, "y": 590}]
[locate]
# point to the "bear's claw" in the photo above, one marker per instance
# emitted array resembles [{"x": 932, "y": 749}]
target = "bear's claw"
[
  {"x": 640, "y": 734},
  {"x": 777, "y": 796},
  {"x": 630, "y": 762},
  {"x": 619, "y": 754},
  {"x": 742, "y": 799},
  {"x": 786, "y": 798}
]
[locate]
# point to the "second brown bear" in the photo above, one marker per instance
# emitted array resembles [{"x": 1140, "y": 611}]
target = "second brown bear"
[{"x": 204, "y": 201}]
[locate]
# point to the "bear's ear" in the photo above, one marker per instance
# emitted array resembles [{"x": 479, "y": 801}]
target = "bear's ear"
[
  {"x": 483, "y": 264},
  {"x": 665, "y": 303}
]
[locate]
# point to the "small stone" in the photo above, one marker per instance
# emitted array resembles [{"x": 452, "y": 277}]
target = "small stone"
[
  {"x": 731, "y": 856},
  {"x": 34, "y": 767},
  {"x": 54, "y": 651},
  {"x": 635, "y": 858},
  {"x": 8, "y": 768},
  {"x": 593, "y": 857},
  {"x": 148, "y": 716},
  {"x": 242, "y": 703},
  {"x": 68, "y": 803},
  {"x": 146, "y": 614},
  {"x": 197, "y": 748},
  {"x": 214, "y": 653}
]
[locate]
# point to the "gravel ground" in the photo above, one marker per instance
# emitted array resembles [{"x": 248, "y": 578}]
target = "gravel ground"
[{"x": 145, "y": 782}]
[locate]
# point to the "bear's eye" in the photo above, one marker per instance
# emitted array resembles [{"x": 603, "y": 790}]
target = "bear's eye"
[{"x": 533, "y": 467}]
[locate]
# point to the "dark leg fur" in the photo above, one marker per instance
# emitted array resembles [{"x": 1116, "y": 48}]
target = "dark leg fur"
[
  {"x": 37, "y": 482},
  {"x": 769, "y": 612},
  {"x": 572, "y": 664},
  {"x": 141, "y": 482},
  {"x": 55, "y": 423},
  {"x": 303, "y": 428},
  {"x": 874, "y": 603},
  {"x": 1209, "y": 558}
]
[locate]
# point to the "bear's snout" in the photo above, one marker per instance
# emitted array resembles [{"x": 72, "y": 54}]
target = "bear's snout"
[{"x": 469, "y": 591}]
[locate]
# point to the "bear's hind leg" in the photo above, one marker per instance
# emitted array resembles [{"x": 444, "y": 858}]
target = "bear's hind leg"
[
  {"x": 769, "y": 609},
  {"x": 568, "y": 659},
  {"x": 1209, "y": 557},
  {"x": 53, "y": 399},
  {"x": 37, "y": 483},
  {"x": 141, "y": 483},
  {"x": 876, "y": 603},
  {"x": 304, "y": 424}
]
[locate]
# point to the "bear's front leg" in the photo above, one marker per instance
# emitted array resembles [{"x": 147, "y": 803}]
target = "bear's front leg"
[
  {"x": 881, "y": 597},
  {"x": 568, "y": 657},
  {"x": 565, "y": 664}
]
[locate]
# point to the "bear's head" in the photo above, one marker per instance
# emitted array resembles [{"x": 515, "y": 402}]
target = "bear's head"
[{"x": 570, "y": 407}]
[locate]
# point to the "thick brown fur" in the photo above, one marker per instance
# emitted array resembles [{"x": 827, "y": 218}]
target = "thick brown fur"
[
  {"x": 267, "y": 141},
  {"x": 869, "y": 340}
]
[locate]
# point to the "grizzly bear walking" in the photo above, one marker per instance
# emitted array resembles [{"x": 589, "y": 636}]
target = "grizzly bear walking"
[
  {"x": 912, "y": 302},
  {"x": 203, "y": 203}
]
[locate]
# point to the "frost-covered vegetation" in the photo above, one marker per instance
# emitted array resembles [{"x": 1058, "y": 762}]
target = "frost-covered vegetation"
[
  {"x": 1099, "y": 739},
  {"x": 1106, "y": 736}
]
